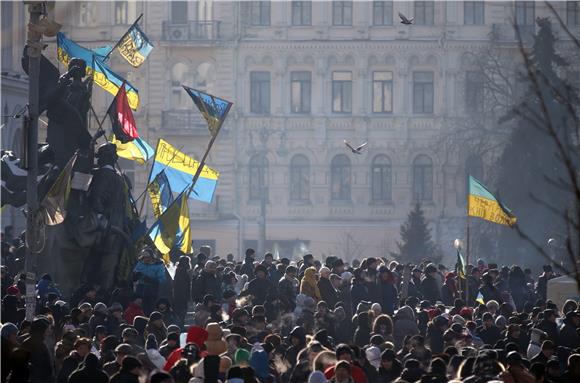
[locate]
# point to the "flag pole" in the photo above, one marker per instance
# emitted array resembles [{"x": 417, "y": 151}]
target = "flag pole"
[
  {"x": 122, "y": 37},
  {"x": 467, "y": 247}
]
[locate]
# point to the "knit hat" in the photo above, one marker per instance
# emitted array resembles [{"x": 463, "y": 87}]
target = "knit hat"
[
  {"x": 241, "y": 356},
  {"x": 85, "y": 306},
  {"x": 500, "y": 321},
  {"x": 346, "y": 275},
  {"x": 8, "y": 329},
  {"x": 458, "y": 319},
  {"x": 116, "y": 306},
  {"x": 151, "y": 342},
  {"x": 100, "y": 308},
  {"x": 155, "y": 315},
  {"x": 324, "y": 271},
  {"x": 12, "y": 290},
  {"x": 124, "y": 349},
  {"x": 259, "y": 362},
  {"x": 376, "y": 307},
  {"x": 373, "y": 355}
]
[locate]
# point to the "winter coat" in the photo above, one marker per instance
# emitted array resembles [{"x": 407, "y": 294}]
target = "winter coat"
[
  {"x": 568, "y": 335},
  {"x": 358, "y": 292},
  {"x": 156, "y": 358},
  {"x": 132, "y": 311},
  {"x": 181, "y": 291},
  {"x": 490, "y": 335},
  {"x": 388, "y": 297},
  {"x": 430, "y": 289},
  {"x": 287, "y": 292},
  {"x": 404, "y": 325},
  {"x": 362, "y": 336},
  {"x": 160, "y": 332},
  {"x": 435, "y": 339},
  {"x": 551, "y": 329},
  {"x": 392, "y": 374},
  {"x": 124, "y": 377},
  {"x": 248, "y": 268},
  {"x": 89, "y": 372},
  {"x": 40, "y": 360},
  {"x": 327, "y": 292},
  {"x": 206, "y": 283},
  {"x": 151, "y": 273},
  {"x": 259, "y": 288},
  {"x": 309, "y": 286}
]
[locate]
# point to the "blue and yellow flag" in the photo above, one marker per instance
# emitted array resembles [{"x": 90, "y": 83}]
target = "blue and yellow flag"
[
  {"x": 483, "y": 204},
  {"x": 172, "y": 228},
  {"x": 137, "y": 150},
  {"x": 213, "y": 109},
  {"x": 135, "y": 46},
  {"x": 103, "y": 75},
  {"x": 460, "y": 268},
  {"x": 160, "y": 194},
  {"x": 479, "y": 298},
  {"x": 180, "y": 169}
]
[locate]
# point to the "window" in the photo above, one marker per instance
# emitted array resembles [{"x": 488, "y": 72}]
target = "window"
[
  {"x": 179, "y": 75},
  {"x": 340, "y": 178},
  {"x": 473, "y": 92},
  {"x": 121, "y": 12},
  {"x": 179, "y": 12},
  {"x": 299, "y": 179},
  {"x": 473, "y": 12},
  {"x": 382, "y": 13},
  {"x": 382, "y": 92},
  {"x": 260, "y": 92},
  {"x": 257, "y": 177},
  {"x": 86, "y": 14},
  {"x": 260, "y": 13},
  {"x": 424, "y": 12},
  {"x": 381, "y": 179},
  {"x": 7, "y": 42},
  {"x": 525, "y": 13},
  {"x": 423, "y": 92},
  {"x": 342, "y": 92},
  {"x": 573, "y": 13},
  {"x": 301, "y": 13},
  {"x": 422, "y": 179},
  {"x": 300, "y": 92},
  {"x": 342, "y": 13}
]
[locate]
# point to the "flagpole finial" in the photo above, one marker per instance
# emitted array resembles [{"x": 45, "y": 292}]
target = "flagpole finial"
[{"x": 458, "y": 244}]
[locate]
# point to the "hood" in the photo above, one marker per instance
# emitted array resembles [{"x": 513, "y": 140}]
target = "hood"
[
  {"x": 310, "y": 275},
  {"x": 259, "y": 362},
  {"x": 405, "y": 312},
  {"x": 196, "y": 335},
  {"x": 299, "y": 333},
  {"x": 91, "y": 362}
]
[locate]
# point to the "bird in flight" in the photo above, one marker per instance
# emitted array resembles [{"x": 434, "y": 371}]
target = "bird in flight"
[
  {"x": 356, "y": 150},
  {"x": 405, "y": 20}
]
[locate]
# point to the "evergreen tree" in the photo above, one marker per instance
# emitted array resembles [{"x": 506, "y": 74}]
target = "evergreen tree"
[
  {"x": 416, "y": 245},
  {"x": 530, "y": 167}
]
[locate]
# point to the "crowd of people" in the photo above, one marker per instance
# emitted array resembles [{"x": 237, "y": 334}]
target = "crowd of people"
[{"x": 221, "y": 320}]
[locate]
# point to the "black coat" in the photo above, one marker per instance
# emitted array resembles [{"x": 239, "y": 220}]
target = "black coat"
[
  {"x": 206, "y": 283},
  {"x": 430, "y": 289},
  {"x": 569, "y": 336},
  {"x": 89, "y": 372},
  {"x": 124, "y": 377},
  {"x": 287, "y": 292},
  {"x": 489, "y": 335},
  {"x": 259, "y": 288},
  {"x": 181, "y": 290},
  {"x": 40, "y": 362},
  {"x": 327, "y": 292},
  {"x": 435, "y": 339},
  {"x": 107, "y": 194},
  {"x": 392, "y": 374}
]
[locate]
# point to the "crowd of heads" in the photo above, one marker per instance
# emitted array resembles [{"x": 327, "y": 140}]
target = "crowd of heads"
[{"x": 216, "y": 319}]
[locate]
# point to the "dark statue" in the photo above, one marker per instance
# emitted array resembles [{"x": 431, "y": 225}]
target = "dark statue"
[{"x": 87, "y": 247}]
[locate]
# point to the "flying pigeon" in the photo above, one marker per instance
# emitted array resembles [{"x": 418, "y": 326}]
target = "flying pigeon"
[
  {"x": 355, "y": 150},
  {"x": 405, "y": 20}
]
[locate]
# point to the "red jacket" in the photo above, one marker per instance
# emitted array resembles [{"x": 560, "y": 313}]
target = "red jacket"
[
  {"x": 195, "y": 335},
  {"x": 133, "y": 311},
  {"x": 357, "y": 373}
]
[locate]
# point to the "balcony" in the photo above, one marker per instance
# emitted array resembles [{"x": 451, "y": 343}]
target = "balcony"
[
  {"x": 192, "y": 31},
  {"x": 185, "y": 121}
]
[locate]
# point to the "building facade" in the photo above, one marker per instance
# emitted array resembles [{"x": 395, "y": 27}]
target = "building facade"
[{"x": 305, "y": 76}]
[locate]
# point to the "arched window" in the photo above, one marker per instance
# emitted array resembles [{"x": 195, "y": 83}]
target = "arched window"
[
  {"x": 257, "y": 178},
  {"x": 473, "y": 167},
  {"x": 340, "y": 178},
  {"x": 179, "y": 75},
  {"x": 205, "y": 77},
  {"x": 381, "y": 179},
  {"x": 423, "y": 178},
  {"x": 299, "y": 179}
]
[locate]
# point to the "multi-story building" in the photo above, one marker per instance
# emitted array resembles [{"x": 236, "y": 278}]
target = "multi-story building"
[
  {"x": 304, "y": 76},
  {"x": 14, "y": 94}
]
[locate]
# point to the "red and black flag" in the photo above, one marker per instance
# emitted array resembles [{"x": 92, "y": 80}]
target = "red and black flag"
[{"x": 121, "y": 115}]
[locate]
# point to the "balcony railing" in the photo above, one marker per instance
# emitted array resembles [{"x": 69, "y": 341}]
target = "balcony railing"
[
  {"x": 183, "y": 120},
  {"x": 191, "y": 31}
]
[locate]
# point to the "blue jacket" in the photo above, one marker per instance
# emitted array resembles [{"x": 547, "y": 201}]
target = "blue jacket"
[{"x": 153, "y": 271}]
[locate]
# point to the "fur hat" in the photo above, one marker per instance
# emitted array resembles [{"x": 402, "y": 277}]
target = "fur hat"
[{"x": 214, "y": 344}]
